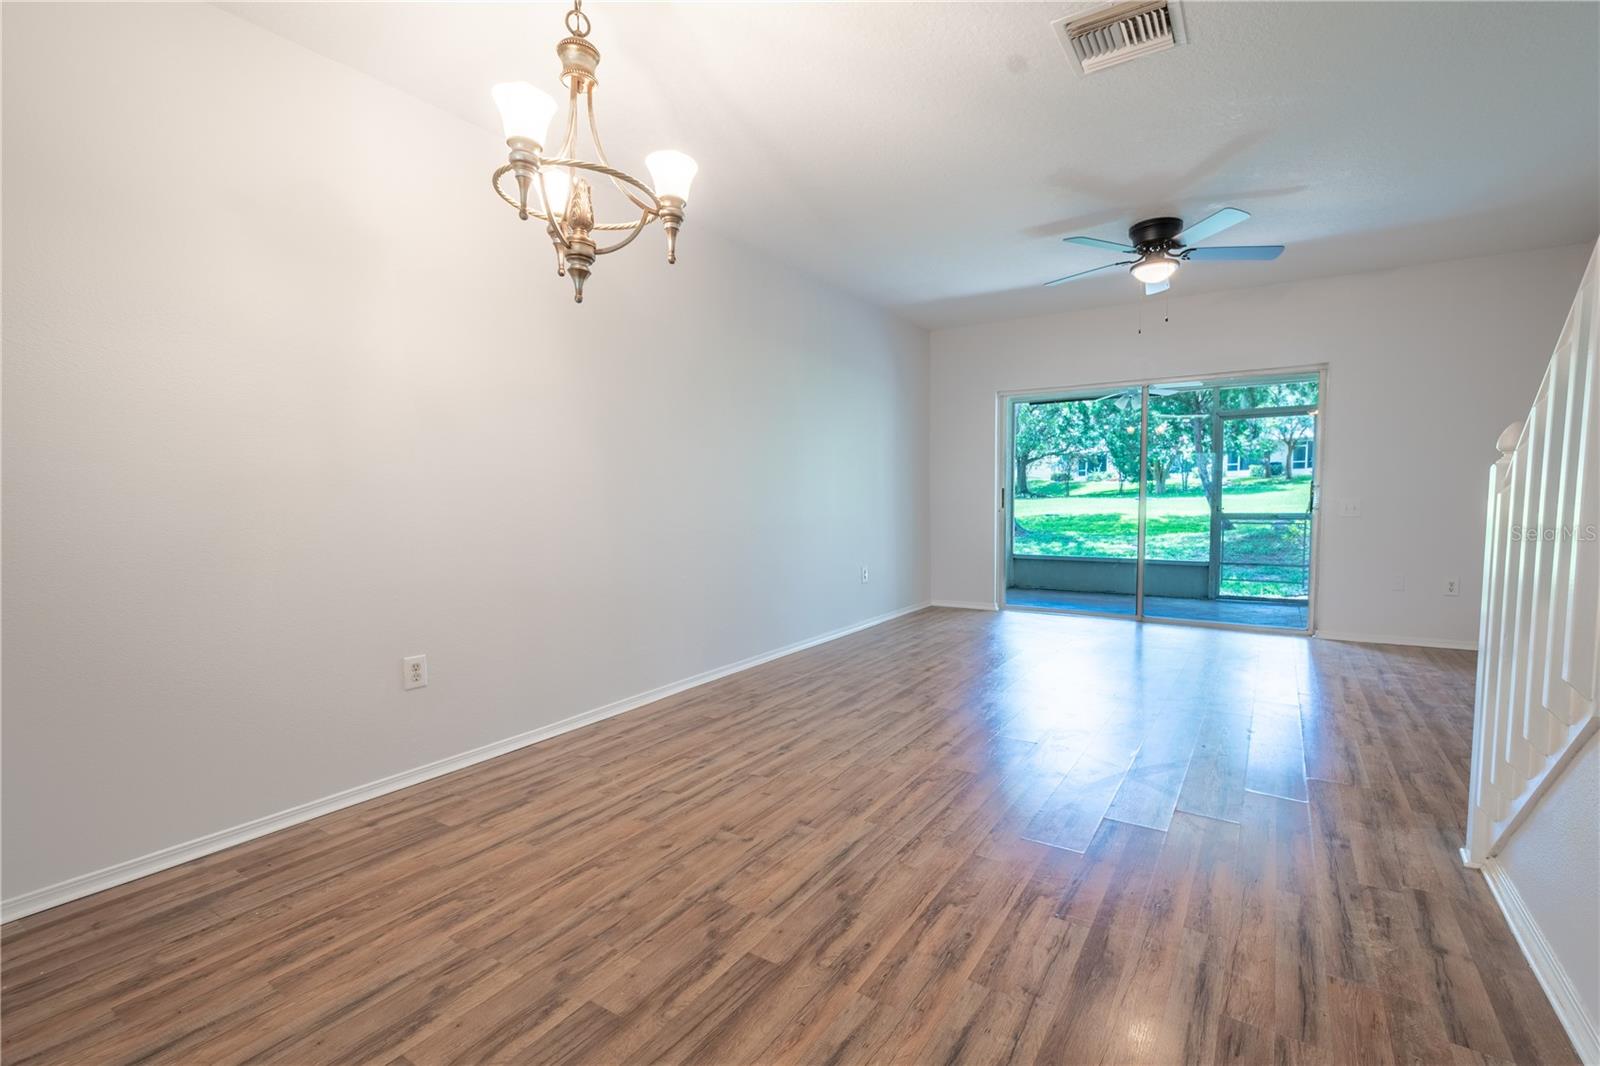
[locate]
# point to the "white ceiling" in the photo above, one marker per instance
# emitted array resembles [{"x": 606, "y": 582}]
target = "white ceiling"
[{"x": 930, "y": 156}]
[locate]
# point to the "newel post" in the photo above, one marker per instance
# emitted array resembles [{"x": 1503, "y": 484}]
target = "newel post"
[{"x": 1485, "y": 712}]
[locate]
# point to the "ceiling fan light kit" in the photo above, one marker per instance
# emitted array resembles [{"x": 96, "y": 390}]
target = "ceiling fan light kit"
[
  {"x": 1160, "y": 245},
  {"x": 1154, "y": 269},
  {"x": 553, "y": 188}
]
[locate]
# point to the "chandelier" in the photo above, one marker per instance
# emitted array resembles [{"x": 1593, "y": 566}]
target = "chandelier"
[{"x": 554, "y": 189}]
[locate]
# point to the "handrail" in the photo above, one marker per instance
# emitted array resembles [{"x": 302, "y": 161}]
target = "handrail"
[{"x": 1539, "y": 620}]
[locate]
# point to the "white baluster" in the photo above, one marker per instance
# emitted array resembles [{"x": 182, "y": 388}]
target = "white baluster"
[{"x": 1539, "y": 628}]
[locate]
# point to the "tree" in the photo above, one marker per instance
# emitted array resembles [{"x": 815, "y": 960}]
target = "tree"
[
  {"x": 1116, "y": 424},
  {"x": 1242, "y": 437},
  {"x": 1059, "y": 430},
  {"x": 1188, "y": 438},
  {"x": 1038, "y": 434},
  {"x": 1287, "y": 432},
  {"x": 1167, "y": 448}
]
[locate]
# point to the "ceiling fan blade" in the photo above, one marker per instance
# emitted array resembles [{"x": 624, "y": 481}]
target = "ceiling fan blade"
[
  {"x": 1085, "y": 273},
  {"x": 1212, "y": 225},
  {"x": 1242, "y": 251},
  {"x": 1159, "y": 286},
  {"x": 1096, "y": 242}
]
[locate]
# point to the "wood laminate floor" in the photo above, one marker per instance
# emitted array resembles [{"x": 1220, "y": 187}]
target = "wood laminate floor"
[{"x": 957, "y": 837}]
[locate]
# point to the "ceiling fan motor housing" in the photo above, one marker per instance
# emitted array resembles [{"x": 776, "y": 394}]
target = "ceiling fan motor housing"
[{"x": 1154, "y": 232}]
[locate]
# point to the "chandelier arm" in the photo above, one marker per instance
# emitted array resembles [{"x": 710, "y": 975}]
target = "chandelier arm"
[
  {"x": 557, "y": 235},
  {"x": 609, "y": 227},
  {"x": 494, "y": 180},
  {"x": 569, "y": 141},
  {"x": 594, "y": 127},
  {"x": 653, "y": 206},
  {"x": 638, "y": 228},
  {"x": 600, "y": 150}
]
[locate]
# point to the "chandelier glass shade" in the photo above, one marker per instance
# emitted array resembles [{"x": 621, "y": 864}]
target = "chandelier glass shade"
[{"x": 558, "y": 188}]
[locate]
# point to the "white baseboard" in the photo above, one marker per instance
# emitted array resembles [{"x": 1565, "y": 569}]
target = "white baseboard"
[
  {"x": 965, "y": 605},
  {"x": 1413, "y": 642},
  {"x": 132, "y": 869},
  {"x": 1581, "y": 1029}
]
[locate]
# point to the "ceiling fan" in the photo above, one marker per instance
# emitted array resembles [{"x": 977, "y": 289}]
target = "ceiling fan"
[{"x": 1160, "y": 244}]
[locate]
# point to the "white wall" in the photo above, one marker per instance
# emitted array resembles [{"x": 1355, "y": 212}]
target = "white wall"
[
  {"x": 289, "y": 395},
  {"x": 1553, "y": 860},
  {"x": 1426, "y": 366}
]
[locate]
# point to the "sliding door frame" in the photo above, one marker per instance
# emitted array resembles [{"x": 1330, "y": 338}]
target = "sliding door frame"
[{"x": 1005, "y": 407}]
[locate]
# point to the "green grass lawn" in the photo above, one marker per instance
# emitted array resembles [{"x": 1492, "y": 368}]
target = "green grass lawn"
[{"x": 1094, "y": 521}]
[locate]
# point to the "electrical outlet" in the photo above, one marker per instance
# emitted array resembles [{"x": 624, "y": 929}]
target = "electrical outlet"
[
  {"x": 864, "y": 575},
  {"x": 1350, "y": 508},
  {"x": 414, "y": 671},
  {"x": 1398, "y": 584},
  {"x": 1452, "y": 586}
]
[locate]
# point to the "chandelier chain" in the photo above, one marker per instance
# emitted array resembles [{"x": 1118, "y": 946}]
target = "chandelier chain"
[{"x": 577, "y": 22}]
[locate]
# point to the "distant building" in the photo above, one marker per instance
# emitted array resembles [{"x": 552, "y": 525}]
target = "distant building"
[{"x": 1098, "y": 465}]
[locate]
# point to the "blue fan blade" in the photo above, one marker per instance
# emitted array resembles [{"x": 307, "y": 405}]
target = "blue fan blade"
[
  {"x": 1212, "y": 225},
  {"x": 1082, "y": 273},
  {"x": 1243, "y": 251},
  {"x": 1096, "y": 242}
]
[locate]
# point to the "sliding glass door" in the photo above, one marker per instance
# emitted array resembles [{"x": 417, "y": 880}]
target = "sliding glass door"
[
  {"x": 1074, "y": 530},
  {"x": 1190, "y": 501},
  {"x": 1241, "y": 511},
  {"x": 1180, "y": 483}
]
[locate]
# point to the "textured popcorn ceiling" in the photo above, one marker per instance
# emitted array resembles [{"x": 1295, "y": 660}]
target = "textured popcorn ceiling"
[{"x": 930, "y": 156}]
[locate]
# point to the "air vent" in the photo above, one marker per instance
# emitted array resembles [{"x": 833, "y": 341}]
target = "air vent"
[{"x": 1106, "y": 35}]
